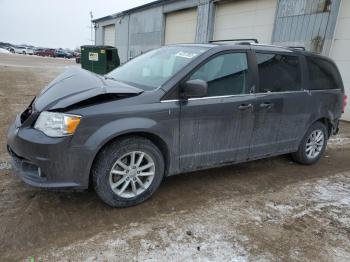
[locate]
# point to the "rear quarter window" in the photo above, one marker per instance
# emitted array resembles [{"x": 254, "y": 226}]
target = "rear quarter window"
[{"x": 323, "y": 74}]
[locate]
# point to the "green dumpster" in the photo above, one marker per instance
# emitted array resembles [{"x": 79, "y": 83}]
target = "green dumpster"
[{"x": 99, "y": 59}]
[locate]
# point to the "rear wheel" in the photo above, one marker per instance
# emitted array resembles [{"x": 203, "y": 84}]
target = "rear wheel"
[
  {"x": 128, "y": 171},
  {"x": 313, "y": 145}
]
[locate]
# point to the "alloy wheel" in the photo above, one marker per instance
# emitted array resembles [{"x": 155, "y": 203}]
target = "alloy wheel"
[
  {"x": 132, "y": 174},
  {"x": 314, "y": 144}
]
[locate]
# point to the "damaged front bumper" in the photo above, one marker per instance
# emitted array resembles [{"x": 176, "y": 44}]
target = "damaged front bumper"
[{"x": 46, "y": 162}]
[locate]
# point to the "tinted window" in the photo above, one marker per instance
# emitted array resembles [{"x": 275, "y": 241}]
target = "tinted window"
[
  {"x": 225, "y": 74},
  {"x": 278, "y": 73},
  {"x": 322, "y": 74}
]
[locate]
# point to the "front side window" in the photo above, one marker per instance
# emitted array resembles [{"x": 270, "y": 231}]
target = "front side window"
[
  {"x": 322, "y": 74},
  {"x": 278, "y": 73},
  {"x": 226, "y": 74},
  {"x": 153, "y": 69}
]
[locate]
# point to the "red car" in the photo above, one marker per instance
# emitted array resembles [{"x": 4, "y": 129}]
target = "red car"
[{"x": 45, "y": 52}]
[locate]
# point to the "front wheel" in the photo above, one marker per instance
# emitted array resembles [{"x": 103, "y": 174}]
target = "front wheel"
[
  {"x": 128, "y": 171},
  {"x": 313, "y": 145}
]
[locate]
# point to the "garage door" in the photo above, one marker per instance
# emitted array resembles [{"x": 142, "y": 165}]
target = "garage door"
[
  {"x": 340, "y": 49},
  {"x": 109, "y": 35},
  {"x": 180, "y": 26},
  {"x": 245, "y": 19}
]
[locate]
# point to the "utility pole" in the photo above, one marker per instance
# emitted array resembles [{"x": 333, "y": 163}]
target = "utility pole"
[{"x": 92, "y": 28}]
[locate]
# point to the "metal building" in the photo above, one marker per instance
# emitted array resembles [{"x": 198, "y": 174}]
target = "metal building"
[{"x": 320, "y": 26}]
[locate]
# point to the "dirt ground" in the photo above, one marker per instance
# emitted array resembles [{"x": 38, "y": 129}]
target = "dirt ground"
[{"x": 266, "y": 210}]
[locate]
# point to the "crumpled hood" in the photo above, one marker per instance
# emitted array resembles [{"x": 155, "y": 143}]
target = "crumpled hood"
[{"x": 76, "y": 85}]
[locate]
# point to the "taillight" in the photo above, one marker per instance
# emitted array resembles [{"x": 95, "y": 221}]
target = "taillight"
[{"x": 345, "y": 101}]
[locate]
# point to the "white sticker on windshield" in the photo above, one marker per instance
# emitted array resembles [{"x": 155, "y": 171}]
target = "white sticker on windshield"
[{"x": 186, "y": 55}]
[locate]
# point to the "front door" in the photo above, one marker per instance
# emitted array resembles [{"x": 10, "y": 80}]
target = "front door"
[{"x": 217, "y": 129}]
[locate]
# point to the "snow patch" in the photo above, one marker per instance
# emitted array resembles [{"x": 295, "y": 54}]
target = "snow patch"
[
  {"x": 338, "y": 141},
  {"x": 223, "y": 231},
  {"x": 4, "y": 51},
  {"x": 4, "y": 165}
]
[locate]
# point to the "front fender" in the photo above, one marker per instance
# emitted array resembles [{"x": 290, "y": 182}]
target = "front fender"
[
  {"x": 130, "y": 125},
  {"x": 117, "y": 128}
]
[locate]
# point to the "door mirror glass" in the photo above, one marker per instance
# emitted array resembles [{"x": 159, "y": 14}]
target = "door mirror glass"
[{"x": 195, "y": 88}]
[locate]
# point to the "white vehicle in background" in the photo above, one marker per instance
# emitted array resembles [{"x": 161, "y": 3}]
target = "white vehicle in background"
[
  {"x": 30, "y": 51},
  {"x": 21, "y": 50}
]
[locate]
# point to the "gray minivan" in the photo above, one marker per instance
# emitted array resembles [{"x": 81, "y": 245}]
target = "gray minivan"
[{"x": 172, "y": 110}]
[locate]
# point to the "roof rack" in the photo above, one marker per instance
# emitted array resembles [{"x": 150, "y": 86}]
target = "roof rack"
[
  {"x": 244, "y": 40},
  {"x": 297, "y": 47}
]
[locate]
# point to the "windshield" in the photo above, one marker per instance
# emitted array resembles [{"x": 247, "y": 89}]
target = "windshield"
[{"x": 154, "y": 68}]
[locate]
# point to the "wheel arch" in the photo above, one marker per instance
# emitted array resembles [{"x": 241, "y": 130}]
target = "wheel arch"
[
  {"x": 154, "y": 138},
  {"x": 324, "y": 120},
  {"x": 328, "y": 123}
]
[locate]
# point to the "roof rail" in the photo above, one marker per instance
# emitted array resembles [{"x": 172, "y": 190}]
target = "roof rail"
[
  {"x": 236, "y": 40},
  {"x": 297, "y": 47}
]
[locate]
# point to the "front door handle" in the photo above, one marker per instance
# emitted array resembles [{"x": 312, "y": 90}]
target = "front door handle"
[
  {"x": 245, "y": 106},
  {"x": 267, "y": 105}
]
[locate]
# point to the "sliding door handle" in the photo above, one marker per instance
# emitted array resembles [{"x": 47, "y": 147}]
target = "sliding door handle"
[{"x": 267, "y": 105}]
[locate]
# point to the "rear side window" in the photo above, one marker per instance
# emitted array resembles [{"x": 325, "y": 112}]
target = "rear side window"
[
  {"x": 278, "y": 73},
  {"x": 322, "y": 74},
  {"x": 226, "y": 74}
]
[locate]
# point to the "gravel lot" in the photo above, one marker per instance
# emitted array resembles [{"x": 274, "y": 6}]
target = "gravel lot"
[{"x": 266, "y": 210}]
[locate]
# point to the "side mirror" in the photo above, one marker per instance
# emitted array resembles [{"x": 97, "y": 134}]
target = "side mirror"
[{"x": 194, "y": 89}]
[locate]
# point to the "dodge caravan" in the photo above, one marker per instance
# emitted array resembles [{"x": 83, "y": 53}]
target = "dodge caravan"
[{"x": 172, "y": 110}]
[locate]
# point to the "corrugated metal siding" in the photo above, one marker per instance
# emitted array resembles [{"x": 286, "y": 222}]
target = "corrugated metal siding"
[
  {"x": 340, "y": 49},
  {"x": 140, "y": 30},
  {"x": 203, "y": 21},
  {"x": 122, "y": 39},
  {"x": 145, "y": 31},
  {"x": 308, "y": 23}
]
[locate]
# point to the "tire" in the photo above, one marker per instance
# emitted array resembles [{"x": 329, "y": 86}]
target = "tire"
[
  {"x": 107, "y": 161},
  {"x": 304, "y": 154}
]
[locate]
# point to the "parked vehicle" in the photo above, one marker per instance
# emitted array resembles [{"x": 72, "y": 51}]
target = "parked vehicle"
[
  {"x": 176, "y": 109},
  {"x": 77, "y": 58},
  {"x": 76, "y": 54},
  {"x": 30, "y": 51},
  {"x": 62, "y": 53},
  {"x": 21, "y": 50},
  {"x": 45, "y": 52},
  {"x": 37, "y": 51}
]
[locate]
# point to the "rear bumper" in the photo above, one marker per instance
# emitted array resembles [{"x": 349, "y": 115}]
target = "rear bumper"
[{"x": 46, "y": 162}]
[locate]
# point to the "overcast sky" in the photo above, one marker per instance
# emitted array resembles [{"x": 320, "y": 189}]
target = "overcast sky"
[{"x": 55, "y": 23}]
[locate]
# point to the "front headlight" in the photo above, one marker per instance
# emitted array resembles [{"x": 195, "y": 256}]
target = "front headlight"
[{"x": 57, "y": 124}]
